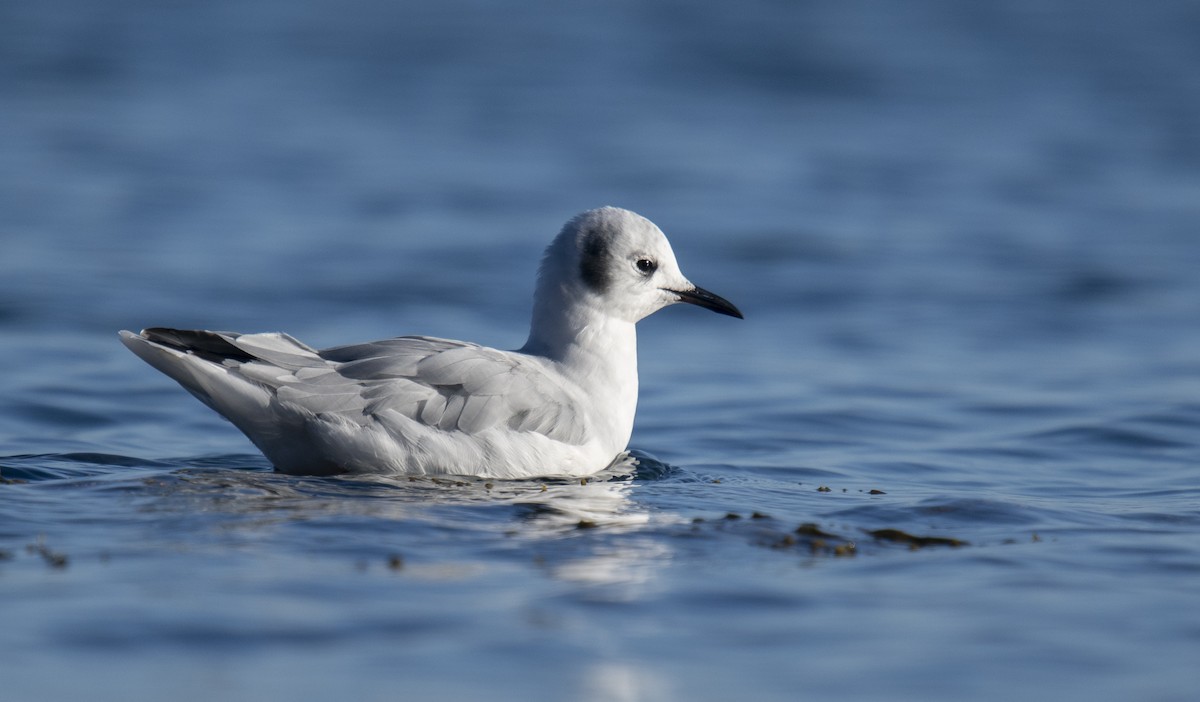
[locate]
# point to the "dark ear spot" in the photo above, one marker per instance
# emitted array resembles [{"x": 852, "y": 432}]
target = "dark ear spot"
[{"x": 593, "y": 262}]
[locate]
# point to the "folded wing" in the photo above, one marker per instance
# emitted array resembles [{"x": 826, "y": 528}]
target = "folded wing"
[{"x": 451, "y": 385}]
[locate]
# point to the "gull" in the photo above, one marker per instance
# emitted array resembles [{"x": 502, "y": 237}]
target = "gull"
[{"x": 561, "y": 405}]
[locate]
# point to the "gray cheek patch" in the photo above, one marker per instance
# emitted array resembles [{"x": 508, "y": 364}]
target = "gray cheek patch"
[{"x": 594, "y": 263}]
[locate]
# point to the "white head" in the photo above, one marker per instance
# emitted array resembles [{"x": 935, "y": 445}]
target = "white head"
[{"x": 616, "y": 263}]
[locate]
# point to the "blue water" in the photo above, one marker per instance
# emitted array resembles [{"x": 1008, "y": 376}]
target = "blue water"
[{"x": 966, "y": 238}]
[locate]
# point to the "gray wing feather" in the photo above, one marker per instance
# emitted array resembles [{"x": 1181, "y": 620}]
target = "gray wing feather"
[
  {"x": 480, "y": 412},
  {"x": 450, "y": 385},
  {"x": 346, "y": 402},
  {"x": 420, "y": 346},
  {"x": 432, "y": 410},
  {"x": 279, "y": 349},
  {"x": 450, "y": 415}
]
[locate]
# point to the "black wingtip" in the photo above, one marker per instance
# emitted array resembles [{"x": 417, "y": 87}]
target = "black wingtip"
[{"x": 210, "y": 346}]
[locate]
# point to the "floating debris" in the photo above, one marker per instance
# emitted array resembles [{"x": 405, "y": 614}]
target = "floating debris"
[
  {"x": 876, "y": 492},
  {"x": 395, "y": 562},
  {"x": 447, "y": 482},
  {"x": 821, "y": 547},
  {"x": 810, "y": 529},
  {"x": 586, "y": 524},
  {"x": 9, "y": 481},
  {"x": 52, "y": 558},
  {"x": 810, "y": 539},
  {"x": 915, "y": 542},
  {"x": 823, "y": 488}
]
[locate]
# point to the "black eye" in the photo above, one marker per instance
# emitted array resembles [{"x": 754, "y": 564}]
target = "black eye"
[{"x": 646, "y": 266}]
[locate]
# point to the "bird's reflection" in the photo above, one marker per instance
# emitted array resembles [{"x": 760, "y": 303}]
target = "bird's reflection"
[
  {"x": 535, "y": 508},
  {"x": 583, "y": 531}
]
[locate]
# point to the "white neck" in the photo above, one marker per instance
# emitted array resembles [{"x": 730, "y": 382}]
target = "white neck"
[{"x": 599, "y": 353}]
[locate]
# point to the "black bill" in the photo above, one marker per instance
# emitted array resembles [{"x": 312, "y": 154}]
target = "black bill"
[{"x": 709, "y": 301}]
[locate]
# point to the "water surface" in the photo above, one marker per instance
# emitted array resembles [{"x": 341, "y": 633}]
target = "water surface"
[{"x": 950, "y": 454}]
